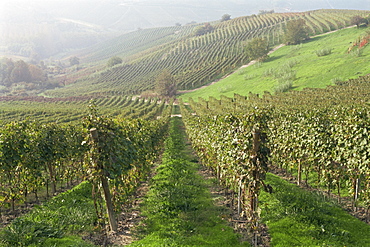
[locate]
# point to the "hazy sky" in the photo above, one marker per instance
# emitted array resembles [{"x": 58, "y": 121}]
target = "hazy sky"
[{"x": 83, "y": 9}]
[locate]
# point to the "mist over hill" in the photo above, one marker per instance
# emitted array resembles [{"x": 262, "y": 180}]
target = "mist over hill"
[{"x": 39, "y": 29}]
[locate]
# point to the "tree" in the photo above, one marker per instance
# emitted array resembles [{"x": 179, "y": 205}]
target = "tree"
[
  {"x": 226, "y": 17},
  {"x": 296, "y": 31},
  {"x": 37, "y": 74},
  {"x": 208, "y": 27},
  {"x": 6, "y": 68},
  {"x": 20, "y": 73},
  {"x": 201, "y": 30},
  {"x": 165, "y": 84},
  {"x": 257, "y": 48},
  {"x": 113, "y": 61},
  {"x": 265, "y": 12},
  {"x": 358, "y": 21},
  {"x": 74, "y": 61}
]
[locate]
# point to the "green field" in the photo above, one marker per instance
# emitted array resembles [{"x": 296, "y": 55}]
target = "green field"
[{"x": 311, "y": 71}]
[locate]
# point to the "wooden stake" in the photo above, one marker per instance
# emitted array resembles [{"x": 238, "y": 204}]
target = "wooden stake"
[
  {"x": 299, "y": 172},
  {"x": 105, "y": 185}
]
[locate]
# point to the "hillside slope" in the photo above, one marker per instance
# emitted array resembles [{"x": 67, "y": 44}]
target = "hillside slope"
[
  {"x": 197, "y": 60},
  {"x": 306, "y": 68}
]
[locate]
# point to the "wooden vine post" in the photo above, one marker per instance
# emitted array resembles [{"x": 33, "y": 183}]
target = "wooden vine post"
[
  {"x": 105, "y": 184},
  {"x": 299, "y": 172},
  {"x": 255, "y": 183},
  {"x": 257, "y": 173}
]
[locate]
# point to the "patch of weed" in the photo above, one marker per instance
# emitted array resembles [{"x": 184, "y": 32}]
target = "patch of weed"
[
  {"x": 296, "y": 217},
  {"x": 71, "y": 212}
]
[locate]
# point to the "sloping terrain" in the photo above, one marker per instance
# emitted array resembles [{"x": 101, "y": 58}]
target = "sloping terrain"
[
  {"x": 301, "y": 62},
  {"x": 197, "y": 60}
]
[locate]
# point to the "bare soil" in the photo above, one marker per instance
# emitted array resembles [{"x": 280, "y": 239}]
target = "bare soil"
[{"x": 128, "y": 219}]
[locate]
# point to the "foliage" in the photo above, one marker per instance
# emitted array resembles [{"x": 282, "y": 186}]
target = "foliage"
[
  {"x": 165, "y": 84},
  {"x": 283, "y": 86},
  {"x": 359, "y": 20},
  {"x": 257, "y": 48},
  {"x": 311, "y": 71},
  {"x": 318, "y": 135},
  {"x": 179, "y": 210},
  {"x": 120, "y": 154},
  {"x": 323, "y": 52},
  {"x": 295, "y": 32},
  {"x": 34, "y": 155},
  {"x": 115, "y": 151},
  {"x": 295, "y": 216},
  {"x": 240, "y": 160},
  {"x": 114, "y": 61},
  {"x": 74, "y": 61},
  {"x": 226, "y": 17},
  {"x": 202, "y": 30},
  {"x": 29, "y": 155},
  {"x": 193, "y": 60},
  {"x": 73, "y": 109},
  {"x": 71, "y": 212},
  {"x": 264, "y": 12},
  {"x": 20, "y": 71}
]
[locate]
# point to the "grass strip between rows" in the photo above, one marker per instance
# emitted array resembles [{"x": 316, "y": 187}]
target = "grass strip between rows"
[
  {"x": 56, "y": 223},
  {"x": 297, "y": 217},
  {"x": 179, "y": 207}
]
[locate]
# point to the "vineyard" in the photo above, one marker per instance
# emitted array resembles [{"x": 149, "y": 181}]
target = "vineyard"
[
  {"x": 298, "y": 64},
  {"x": 73, "y": 109},
  {"x": 320, "y": 136},
  {"x": 36, "y": 158},
  {"x": 193, "y": 60},
  {"x": 257, "y": 170}
]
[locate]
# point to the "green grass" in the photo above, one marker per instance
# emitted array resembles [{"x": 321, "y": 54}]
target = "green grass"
[
  {"x": 296, "y": 217},
  {"x": 179, "y": 207},
  {"x": 311, "y": 70},
  {"x": 54, "y": 223}
]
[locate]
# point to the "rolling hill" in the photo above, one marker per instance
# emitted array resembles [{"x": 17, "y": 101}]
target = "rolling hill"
[
  {"x": 43, "y": 29},
  {"x": 193, "y": 60},
  {"x": 302, "y": 62}
]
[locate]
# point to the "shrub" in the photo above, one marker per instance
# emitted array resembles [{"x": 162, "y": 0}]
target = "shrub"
[
  {"x": 356, "y": 52},
  {"x": 242, "y": 72},
  {"x": 258, "y": 64},
  {"x": 336, "y": 80},
  {"x": 201, "y": 30},
  {"x": 113, "y": 61},
  {"x": 291, "y": 76},
  {"x": 249, "y": 76},
  {"x": 290, "y": 63},
  {"x": 323, "y": 52},
  {"x": 226, "y": 17},
  {"x": 268, "y": 72},
  {"x": 283, "y": 87}
]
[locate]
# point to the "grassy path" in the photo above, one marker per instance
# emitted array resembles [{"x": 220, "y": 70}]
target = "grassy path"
[
  {"x": 179, "y": 207},
  {"x": 58, "y": 222},
  {"x": 297, "y": 217}
]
